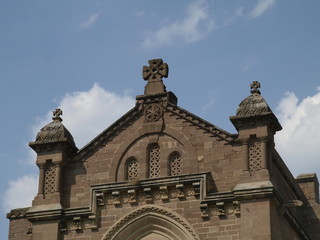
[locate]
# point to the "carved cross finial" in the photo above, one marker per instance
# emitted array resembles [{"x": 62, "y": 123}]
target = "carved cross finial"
[
  {"x": 255, "y": 85},
  {"x": 156, "y": 71},
  {"x": 56, "y": 115}
]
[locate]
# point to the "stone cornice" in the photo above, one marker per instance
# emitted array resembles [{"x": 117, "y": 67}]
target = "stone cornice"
[
  {"x": 17, "y": 213},
  {"x": 44, "y": 212}
]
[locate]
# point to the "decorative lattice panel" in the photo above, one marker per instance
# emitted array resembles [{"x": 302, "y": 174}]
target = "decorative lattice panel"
[
  {"x": 132, "y": 169},
  {"x": 154, "y": 161},
  {"x": 175, "y": 164},
  {"x": 255, "y": 156},
  {"x": 49, "y": 179}
]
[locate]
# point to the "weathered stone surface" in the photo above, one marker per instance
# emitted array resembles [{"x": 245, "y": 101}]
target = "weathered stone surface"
[{"x": 161, "y": 172}]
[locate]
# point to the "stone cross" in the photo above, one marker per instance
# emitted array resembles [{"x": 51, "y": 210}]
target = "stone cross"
[
  {"x": 255, "y": 85},
  {"x": 156, "y": 71},
  {"x": 56, "y": 115},
  {"x": 154, "y": 74}
]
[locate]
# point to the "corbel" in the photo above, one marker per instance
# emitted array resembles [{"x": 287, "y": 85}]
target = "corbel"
[
  {"x": 100, "y": 199},
  {"x": 132, "y": 196},
  {"x": 77, "y": 224},
  {"x": 204, "y": 210},
  {"x": 196, "y": 188},
  {"x": 236, "y": 207},
  {"x": 180, "y": 191},
  {"x": 92, "y": 222},
  {"x": 147, "y": 194},
  {"x": 164, "y": 193},
  {"x": 220, "y": 207},
  {"x": 116, "y": 197}
]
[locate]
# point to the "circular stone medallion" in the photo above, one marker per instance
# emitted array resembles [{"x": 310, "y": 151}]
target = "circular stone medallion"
[{"x": 153, "y": 112}]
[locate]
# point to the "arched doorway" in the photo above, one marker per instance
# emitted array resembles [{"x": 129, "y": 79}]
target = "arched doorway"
[{"x": 151, "y": 223}]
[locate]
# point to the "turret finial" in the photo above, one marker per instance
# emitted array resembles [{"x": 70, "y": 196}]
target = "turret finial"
[
  {"x": 255, "y": 85},
  {"x": 56, "y": 115}
]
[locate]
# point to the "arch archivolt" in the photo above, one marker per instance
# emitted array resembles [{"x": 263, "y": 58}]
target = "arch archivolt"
[
  {"x": 137, "y": 144},
  {"x": 152, "y": 222}
]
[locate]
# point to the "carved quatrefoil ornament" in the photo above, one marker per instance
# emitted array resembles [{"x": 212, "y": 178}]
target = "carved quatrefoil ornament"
[{"x": 153, "y": 112}]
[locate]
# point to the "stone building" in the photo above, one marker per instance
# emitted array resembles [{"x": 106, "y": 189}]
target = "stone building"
[{"x": 162, "y": 173}]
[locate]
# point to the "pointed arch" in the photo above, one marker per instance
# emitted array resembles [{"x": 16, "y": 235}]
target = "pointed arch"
[{"x": 150, "y": 221}]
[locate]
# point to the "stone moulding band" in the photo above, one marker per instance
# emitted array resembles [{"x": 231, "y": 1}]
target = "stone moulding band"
[{"x": 157, "y": 211}]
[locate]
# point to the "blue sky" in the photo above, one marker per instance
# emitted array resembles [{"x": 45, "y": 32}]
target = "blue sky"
[{"x": 87, "y": 56}]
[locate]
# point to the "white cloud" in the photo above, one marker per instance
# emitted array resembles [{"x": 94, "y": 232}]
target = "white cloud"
[
  {"x": 194, "y": 27},
  {"x": 298, "y": 143},
  {"x": 25, "y": 186},
  {"x": 237, "y": 14},
  {"x": 90, "y": 21},
  {"x": 86, "y": 114},
  {"x": 261, "y": 7}
]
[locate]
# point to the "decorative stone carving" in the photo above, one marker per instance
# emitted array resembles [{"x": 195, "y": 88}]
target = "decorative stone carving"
[
  {"x": 148, "y": 194},
  {"x": 132, "y": 196},
  {"x": 91, "y": 223},
  {"x": 175, "y": 164},
  {"x": 254, "y": 104},
  {"x": 153, "y": 112},
  {"x": 236, "y": 205},
  {"x": 56, "y": 115},
  {"x": 154, "y": 161},
  {"x": 54, "y": 132},
  {"x": 164, "y": 193},
  {"x": 100, "y": 199},
  {"x": 220, "y": 208},
  {"x": 49, "y": 178},
  {"x": 116, "y": 198},
  {"x": 165, "y": 214},
  {"x": 255, "y": 163},
  {"x": 154, "y": 74},
  {"x": 196, "y": 188},
  {"x": 156, "y": 71},
  {"x": 204, "y": 210},
  {"x": 132, "y": 169},
  {"x": 180, "y": 191},
  {"x": 255, "y": 85},
  {"x": 77, "y": 224}
]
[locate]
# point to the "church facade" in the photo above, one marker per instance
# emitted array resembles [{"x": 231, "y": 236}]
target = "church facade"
[{"x": 162, "y": 173}]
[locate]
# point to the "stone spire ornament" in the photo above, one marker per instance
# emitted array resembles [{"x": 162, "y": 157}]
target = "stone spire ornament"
[
  {"x": 56, "y": 115},
  {"x": 154, "y": 73},
  {"x": 255, "y": 85}
]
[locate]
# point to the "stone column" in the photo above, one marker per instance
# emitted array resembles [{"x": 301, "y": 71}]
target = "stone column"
[
  {"x": 58, "y": 177},
  {"x": 41, "y": 179},
  {"x": 245, "y": 156},
  {"x": 264, "y": 154}
]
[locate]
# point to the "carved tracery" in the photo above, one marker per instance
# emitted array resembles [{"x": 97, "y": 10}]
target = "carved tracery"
[
  {"x": 49, "y": 178},
  {"x": 154, "y": 161},
  {"x": 255, "y": 162},
  {"x": 175, "y": 164},
  {"x": 132, "y": 169}
]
